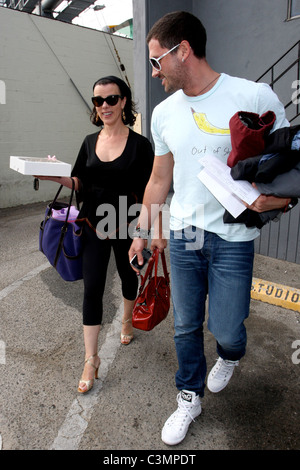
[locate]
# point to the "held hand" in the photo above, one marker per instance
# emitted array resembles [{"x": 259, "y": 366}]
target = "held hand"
[
  {"x": 160, "y": 243},
  {"x": 64, "y": 180},
  {"x": 48, "y": 178},
  {"x": 136, "y": 248},
  {"x": 267, "y": 203}
]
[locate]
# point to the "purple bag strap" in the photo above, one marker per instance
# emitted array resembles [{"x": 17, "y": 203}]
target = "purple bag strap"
[
  {"x": 65, "y": 225},
  {"x": 70, "y": 201}
]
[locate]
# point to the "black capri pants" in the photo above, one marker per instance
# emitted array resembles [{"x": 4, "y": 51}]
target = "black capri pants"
[{"x": 96, "y": 255}]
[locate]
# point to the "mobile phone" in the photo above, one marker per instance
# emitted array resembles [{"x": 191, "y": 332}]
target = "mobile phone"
[{"x": 146, "y": 255}]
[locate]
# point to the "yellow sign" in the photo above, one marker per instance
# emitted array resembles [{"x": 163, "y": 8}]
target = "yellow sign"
[{"x": 276, "y": 294}]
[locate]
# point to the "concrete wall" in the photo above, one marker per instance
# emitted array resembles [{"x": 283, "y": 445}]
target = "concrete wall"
[
  {"x": 47, "y": 69},
  {"x": 246, "y": 37}
]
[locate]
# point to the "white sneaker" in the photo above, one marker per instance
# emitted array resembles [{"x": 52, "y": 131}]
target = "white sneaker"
[
  {"x": 176, "y": 427},
  {"x": 220, "y": 374}
]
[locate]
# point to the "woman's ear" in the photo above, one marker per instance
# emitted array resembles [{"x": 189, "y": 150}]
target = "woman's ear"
[{"x": 124, "y": 101}]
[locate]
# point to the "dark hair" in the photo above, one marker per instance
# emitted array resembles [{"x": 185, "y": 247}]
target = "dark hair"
[
  {"x": 129, "y": 117},
  {"x": 178, "y": 26}
]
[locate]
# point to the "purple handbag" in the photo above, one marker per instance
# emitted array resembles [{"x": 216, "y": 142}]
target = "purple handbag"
[{"x": 60, "y": 240}]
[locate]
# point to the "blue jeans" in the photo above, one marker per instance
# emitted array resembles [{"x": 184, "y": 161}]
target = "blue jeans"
[{"x": 223, "y": 271}]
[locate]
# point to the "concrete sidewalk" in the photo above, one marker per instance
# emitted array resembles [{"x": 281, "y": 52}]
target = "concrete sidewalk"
[{"x": 41, "y": 360}]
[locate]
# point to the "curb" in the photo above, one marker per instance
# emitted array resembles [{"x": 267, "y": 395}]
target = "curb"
[{"x": 276, "y": 294}]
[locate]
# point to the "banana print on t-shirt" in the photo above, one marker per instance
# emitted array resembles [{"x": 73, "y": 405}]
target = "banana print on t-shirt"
[{"x": 205, "y": 126}]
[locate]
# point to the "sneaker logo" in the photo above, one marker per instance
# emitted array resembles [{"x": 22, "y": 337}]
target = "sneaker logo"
[{"x": 186, "y": 396}]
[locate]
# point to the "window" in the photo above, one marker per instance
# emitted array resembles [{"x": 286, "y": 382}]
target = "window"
[{"x": 293, "y": 9}]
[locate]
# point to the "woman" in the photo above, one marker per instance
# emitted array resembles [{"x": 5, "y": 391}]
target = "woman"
[{"x": 111, "y": 172}]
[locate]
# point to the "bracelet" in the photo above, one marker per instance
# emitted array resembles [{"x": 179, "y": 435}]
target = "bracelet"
[
  {"x": 290, "y": 205},
  {"x": 286, "y": 206},
  {"x": 141, "y": 233}
]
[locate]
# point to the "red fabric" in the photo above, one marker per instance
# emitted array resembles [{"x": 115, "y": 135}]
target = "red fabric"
[{"x": 247, "y": 142}]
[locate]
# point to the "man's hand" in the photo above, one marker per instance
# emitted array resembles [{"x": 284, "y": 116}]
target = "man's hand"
[
  {"x": 160, "y": 243},
  {"x": 136, "y": 248},
  {"x": 267, "y": 203}
]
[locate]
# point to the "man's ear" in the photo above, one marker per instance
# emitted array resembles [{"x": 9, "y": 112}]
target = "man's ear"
[{"x": 185, "y": 50}]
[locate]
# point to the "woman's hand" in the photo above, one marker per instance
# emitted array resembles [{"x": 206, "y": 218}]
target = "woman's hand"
[
  {"x": 64, "y": 180},
  {"x": 56, "y": 179}
]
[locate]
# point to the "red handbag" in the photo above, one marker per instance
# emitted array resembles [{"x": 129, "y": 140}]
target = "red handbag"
[{"x": 153, "y": 301}]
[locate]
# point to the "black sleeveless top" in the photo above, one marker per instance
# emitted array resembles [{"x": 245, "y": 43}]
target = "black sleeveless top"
[{"x": 109, "y": 189}]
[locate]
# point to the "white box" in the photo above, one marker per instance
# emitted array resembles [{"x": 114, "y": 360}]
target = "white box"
[{"x": 40, "y": 166}]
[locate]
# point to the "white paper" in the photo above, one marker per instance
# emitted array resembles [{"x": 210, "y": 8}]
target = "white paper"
[{"x": 229, "y": 192}]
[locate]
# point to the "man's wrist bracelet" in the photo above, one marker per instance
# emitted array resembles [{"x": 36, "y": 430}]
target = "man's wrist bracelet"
[
  {"x": 290, "y": 205},
  {"x": 141, "y": 233}
]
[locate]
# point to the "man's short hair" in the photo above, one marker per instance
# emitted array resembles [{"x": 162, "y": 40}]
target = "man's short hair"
[{"x": 178, "y": 26}]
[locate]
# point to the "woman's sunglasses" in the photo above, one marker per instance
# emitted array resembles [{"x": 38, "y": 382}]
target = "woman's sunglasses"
[{"x": 111, "y": 100}]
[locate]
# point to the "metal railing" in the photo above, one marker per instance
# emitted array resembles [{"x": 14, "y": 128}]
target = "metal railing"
[
  {"x": 16, "y": 4},
  {"x": 24, "y": 5},
  {"x": 282, "y": 240},
  {"x": 274, "y": 78}
]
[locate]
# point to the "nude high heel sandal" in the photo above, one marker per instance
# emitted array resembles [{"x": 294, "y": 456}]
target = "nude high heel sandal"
[
  {"x": 89, "y": 383},
  {"x": 126, "y": 339}
]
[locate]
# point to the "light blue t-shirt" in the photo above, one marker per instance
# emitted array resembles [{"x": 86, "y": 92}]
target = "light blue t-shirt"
[{"x": 191, "y": 127}]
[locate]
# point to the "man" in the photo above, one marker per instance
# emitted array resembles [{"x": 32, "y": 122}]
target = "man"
[{"x": 206, "y": 255}]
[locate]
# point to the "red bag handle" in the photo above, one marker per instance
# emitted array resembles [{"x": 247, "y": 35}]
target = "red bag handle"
[
  {"x": 163, "y": 259},
  {"x": 153, "y": 261}
]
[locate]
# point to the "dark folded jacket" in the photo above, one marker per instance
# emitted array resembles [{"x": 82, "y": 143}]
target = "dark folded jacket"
[{"x": 281, "y": 159}]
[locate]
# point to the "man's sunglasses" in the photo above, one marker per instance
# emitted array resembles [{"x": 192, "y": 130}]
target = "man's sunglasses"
[
  {"x": 111, "y": 100},
  {"x": 155, "y": 62}
]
